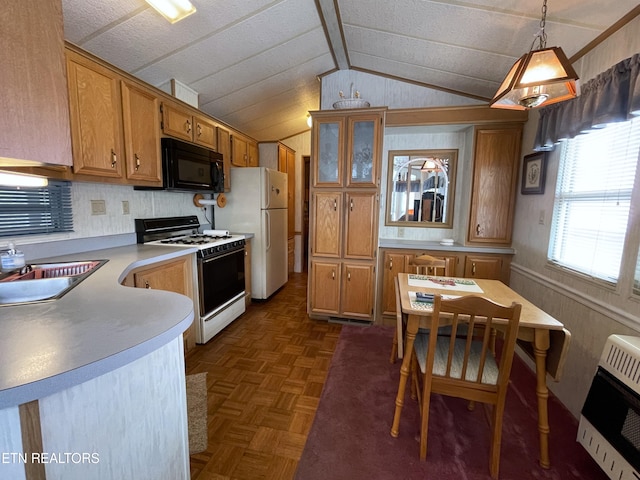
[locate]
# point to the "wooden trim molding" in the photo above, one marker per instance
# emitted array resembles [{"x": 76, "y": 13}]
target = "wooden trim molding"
[
  {"x": 602, "y": 308},
  {"x": 477, "y": 114},
  {"x": 31, "y": 439}
]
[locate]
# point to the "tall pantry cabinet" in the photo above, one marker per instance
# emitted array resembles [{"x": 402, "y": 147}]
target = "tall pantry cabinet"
[{"x": 344, "y": 195}]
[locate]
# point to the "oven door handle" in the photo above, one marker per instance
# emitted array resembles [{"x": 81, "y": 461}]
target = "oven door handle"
[{"x": 217, "y": 257}]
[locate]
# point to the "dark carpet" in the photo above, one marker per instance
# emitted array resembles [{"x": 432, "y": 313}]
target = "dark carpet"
[{"x": 350, "y": 436}]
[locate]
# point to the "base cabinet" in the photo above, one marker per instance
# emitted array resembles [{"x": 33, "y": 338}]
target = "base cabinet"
[
  {"x": 342, "y": 289},
  {"x": 172, "y": 276}
]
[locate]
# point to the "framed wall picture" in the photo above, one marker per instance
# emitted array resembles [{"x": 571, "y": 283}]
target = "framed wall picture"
[{"x": 534, "y": 170}]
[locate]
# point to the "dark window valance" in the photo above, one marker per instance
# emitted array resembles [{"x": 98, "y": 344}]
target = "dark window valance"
[{"x": 612, "y": 96}]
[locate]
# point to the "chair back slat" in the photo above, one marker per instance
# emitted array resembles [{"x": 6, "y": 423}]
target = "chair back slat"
[{"x": 428, "y": 265}]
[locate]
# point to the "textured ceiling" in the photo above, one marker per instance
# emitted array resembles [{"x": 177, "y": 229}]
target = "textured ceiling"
[{"x": 255, "y": 64}]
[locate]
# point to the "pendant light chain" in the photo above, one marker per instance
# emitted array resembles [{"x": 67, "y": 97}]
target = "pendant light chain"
[{"x": 543, "y": 21}]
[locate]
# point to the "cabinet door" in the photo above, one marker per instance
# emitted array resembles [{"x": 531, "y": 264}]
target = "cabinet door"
[
  {"x": 170, "y": 276},
  {"x": 253, "y": 158},
  {"x": 483, "y": 267},
  {"x": 325, "y": 294},
  {"x": 177, "y": 123},
  {"x": 357, "y": 291},
  {"x": 328, "y": 151},
  {"x": 239, "y": 155},
  {"x": 362, "y": 151},
  {"x": 495, "y": 174},
  {"x": 393, "y": 264},
  {"x": 224, "y": 147},
  {"x": 96, "y": 118},
  {"x": 205, "y": 133},
  {"x": 360, "y": 225},
  {"x": 141, "y": 117},
  {"x": 327, "y": 215},
  {"x": 34, "y": 124}
]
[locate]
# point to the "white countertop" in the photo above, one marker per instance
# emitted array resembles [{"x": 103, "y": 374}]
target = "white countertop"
[
  {"x": 437, "y": 246},
  {"x": 96, "y": 327}
]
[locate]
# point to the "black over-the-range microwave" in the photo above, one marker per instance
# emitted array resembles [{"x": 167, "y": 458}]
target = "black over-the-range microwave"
[{"x": 190, "y": 168}]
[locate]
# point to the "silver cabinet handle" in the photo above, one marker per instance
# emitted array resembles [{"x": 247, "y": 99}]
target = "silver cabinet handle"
[
  {"x": 188, "y": 126},
  {"x": 333, "y": 274},
  {"x": 478, "y": 229},
  {"x": 391, "y": 264},
  {"x": 137, "y": 157},
  {"x": 114, "y": 158},
  {"x": 146, "y": 284},
  {"x": 473, "y": 268},
  {"x": 335, "y": 205},
  {"x": 351, "y": 204},
  {"x": 199, "y": 129}
]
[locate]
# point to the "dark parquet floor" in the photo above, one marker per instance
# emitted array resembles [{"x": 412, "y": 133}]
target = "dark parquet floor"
[{"x": 265, "y": 373}]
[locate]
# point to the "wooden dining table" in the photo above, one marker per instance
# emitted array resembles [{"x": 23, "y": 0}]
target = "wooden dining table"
[{"x": 537, "y": 330}]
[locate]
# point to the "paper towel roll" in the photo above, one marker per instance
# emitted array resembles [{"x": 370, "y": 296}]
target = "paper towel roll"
[
  {"x": 220, "y": 201},
  {"x": 216, "y": 233}
]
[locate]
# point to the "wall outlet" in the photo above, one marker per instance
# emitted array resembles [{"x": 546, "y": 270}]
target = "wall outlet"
[
  {"x": 541, "y": 217},
  {"x": 125, "y": 207},
  {"x": 98, "y": 207},
  {"x": 401, "y": 232}
]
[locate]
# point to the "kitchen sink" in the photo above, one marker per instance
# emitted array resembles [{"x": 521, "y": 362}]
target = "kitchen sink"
[{"x": 44, "y": 282}]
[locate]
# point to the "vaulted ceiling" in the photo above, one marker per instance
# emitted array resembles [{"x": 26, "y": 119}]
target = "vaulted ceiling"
[{"x": 256, "y": 64}]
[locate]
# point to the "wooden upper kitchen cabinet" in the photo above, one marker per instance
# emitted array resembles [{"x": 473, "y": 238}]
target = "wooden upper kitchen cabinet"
[
  {"x": 495, "y": 175},
  {"x": 141, "y": 117},
  {"x": 187, "y": 125},
  {"x": 344, "y": 194},
  {"x": 173, "y": 276},
  {"x": 114, "y": 125},
  {"x": 34, "y": 125},
  {"x": 244, "y": 151},
  {"x": 96, "y": 118}
]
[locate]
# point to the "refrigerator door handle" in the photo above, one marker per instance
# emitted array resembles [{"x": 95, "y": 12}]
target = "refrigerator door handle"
[{"x": 267, "y": 228}]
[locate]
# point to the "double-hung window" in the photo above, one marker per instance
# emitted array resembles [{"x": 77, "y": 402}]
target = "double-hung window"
[
  {"x": 36, "y": 210},
  {"x": 593, "y": 199}
]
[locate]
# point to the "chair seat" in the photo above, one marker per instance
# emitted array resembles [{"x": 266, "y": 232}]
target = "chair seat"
[{"x": 421, "y": 345}]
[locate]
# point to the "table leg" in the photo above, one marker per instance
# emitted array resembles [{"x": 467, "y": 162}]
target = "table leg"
[
  {"x": 540, "y": 347},
  {"x": 412, "y": 329}
]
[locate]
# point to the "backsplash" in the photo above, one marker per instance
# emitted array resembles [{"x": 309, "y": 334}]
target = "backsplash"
[{"x": 141, "y": 204}]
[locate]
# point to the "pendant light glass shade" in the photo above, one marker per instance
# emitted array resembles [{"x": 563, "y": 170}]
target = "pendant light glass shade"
[{"x": 538, "y": 78}]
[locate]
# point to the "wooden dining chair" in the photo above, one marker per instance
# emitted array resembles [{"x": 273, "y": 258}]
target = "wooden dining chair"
[
  {"x": 464, "y": 366},
  {"x": 422, "y": 265},
  {"x": 428, "y": 265}
]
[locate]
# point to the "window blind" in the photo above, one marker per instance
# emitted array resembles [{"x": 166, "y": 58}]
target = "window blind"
[
  {"x": 37, "y": 210},
  {"x": 593, "y": 199}
]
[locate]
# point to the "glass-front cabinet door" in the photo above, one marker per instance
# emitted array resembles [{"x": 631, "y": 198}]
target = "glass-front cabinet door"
[
  {"x": 328, "y": 151},
  {"x": 362, "y": 150}
]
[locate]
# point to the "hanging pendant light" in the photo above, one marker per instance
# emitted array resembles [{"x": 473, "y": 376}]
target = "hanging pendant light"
[{"x": 538, "y": 78}]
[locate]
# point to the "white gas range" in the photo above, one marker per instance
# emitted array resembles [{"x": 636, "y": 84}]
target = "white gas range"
[{"x": 220, "y": 262}]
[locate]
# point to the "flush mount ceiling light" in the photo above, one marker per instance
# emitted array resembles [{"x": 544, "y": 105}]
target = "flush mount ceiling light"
[
  {"x": 8, "y": 179},
  {"x": 539, "y": 78},
  {"x": 173, "y": 10}
]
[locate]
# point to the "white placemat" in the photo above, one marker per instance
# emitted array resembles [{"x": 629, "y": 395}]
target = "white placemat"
[
  {"x": 427, "y": 306},
  {"x": 447, "y": 283}
]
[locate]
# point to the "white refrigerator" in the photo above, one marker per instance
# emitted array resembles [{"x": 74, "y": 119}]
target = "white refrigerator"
[{"x": 257, "y": 203}]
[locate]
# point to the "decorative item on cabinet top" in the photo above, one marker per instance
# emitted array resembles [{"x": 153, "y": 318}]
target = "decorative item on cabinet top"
[{"x": 354, "y": 101}]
